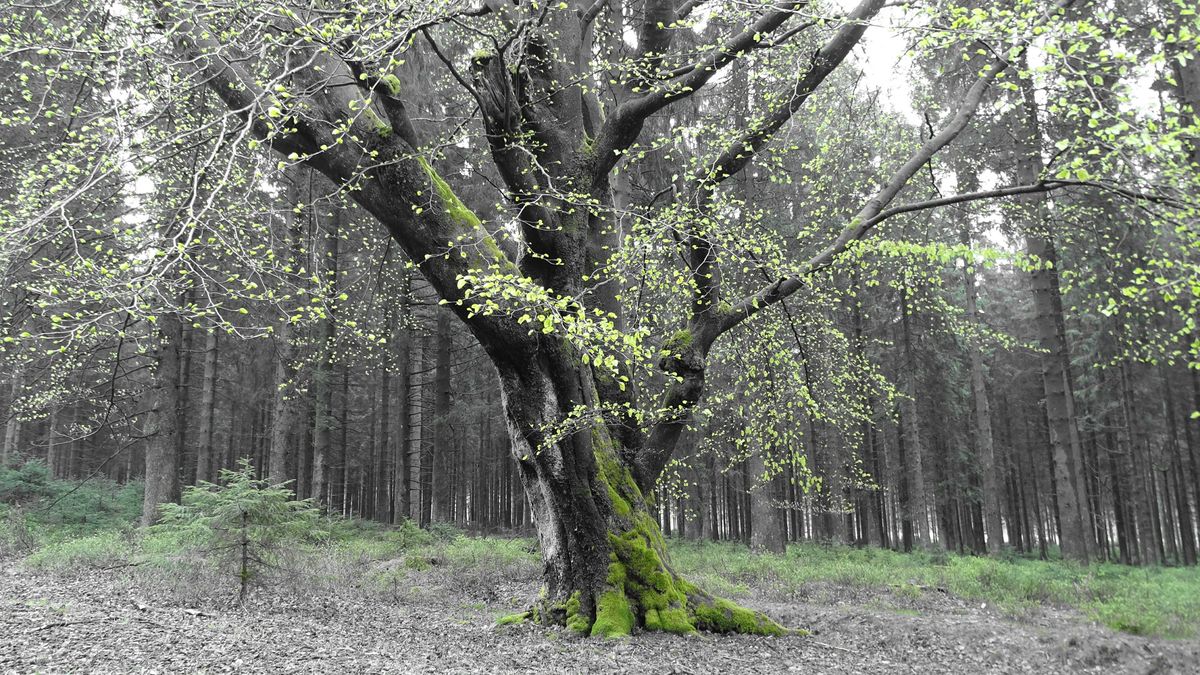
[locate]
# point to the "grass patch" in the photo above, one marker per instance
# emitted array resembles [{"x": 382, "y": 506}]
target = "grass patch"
[
  {"x": 105, "y": 549},
  {"x": 1145, "y": 601}
]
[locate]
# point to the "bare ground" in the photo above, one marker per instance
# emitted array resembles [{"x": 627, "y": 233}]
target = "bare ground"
[{"x": 106, "y": 622}]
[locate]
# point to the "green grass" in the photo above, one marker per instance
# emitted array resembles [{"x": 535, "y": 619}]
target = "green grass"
[
  {"x": 1144, "y": 601},
  {"x": 103, "y": 549},
  {"x": 94, "y": 527}
]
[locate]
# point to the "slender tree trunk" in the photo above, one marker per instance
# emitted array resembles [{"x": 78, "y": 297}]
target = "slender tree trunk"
[
  {"x": 416, "y": 441},
  {"x": 1175, "y": 458},
  {"x": 1055, "y": 358},
  {"x": 323, "y": 421},
  {"x": 913, "y": 450},
  {"x": 204, "y": 440},
  {"x": 341, "y": 494},
  {"x": 1136, "y": 466},
  {"x": 984, "y": 446},
  {"x": 1188, "y": 478},
  {"x": 12, "y": 425},
  {"x": 52, "y": 461},
  {"x": 443, "y": 441},
  {"x": 284, "y": 413},
  {"x": 162, "y": 451},
  {"x": 403, "y": 343}
]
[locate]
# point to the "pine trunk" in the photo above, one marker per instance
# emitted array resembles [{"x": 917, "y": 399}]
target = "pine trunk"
[
  {"x": 984, "y": 446},
  {"x": 918, "y": 511},
  {"x": 162, "y": 451},
  {"x": 443, "y": 440},
  {"x": 12, "y": 425},
  {"x": 204, "y": 440},
  {"x": 1055, "y": 358},
  {"x": 323, "y": 421}
]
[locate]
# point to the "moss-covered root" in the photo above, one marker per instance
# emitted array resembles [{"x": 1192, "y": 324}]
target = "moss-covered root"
[
  {"x": 641, "y": 590},
  {"x": 618, "y": 615},
  {"x": 718, "y": 615},
  {"x": 510, "y": 619}
]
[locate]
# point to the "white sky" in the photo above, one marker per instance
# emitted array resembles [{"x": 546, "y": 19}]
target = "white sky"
[{"x": 881, "y": 57}]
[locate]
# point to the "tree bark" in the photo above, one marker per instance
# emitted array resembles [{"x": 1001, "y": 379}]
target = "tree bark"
[
  {"x": 1055, "y": 357},
  {"x": 1176, "y": 460},
  {"x": 12, "y": 425},
  {"x": 982, "y": 411},
  {"x": 415, "y": 441},
  {"x": 766, "y": 534},
  {"x": 1136, "y": 467},
  {"x": 918, "y": 510},
  {"x": 204, "y": 440},
  {"x": 162, "y": 451},
  {"x": 401, "y": 505},
  {"x": 443, "y": 440},
  {"x": 285, "y": 417},
  {"x": 323, "y": 420}
]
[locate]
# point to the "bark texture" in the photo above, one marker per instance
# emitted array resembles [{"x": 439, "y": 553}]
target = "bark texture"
[
  {"x": 1074, "y": 521},
  {"x": 162, "y": 451}
]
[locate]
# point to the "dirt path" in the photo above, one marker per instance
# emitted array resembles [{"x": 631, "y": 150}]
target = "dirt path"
[{"x": 100, "y": 623}]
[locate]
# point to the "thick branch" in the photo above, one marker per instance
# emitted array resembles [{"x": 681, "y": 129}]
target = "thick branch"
[
  {"x": 622, "y": 128},
  {"x": 827, "y": 59},
  {"x": 229, "y": 80},
  {"x": 866, "y": 218}
]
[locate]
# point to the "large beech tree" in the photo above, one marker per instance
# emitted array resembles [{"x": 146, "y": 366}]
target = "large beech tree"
[{"x": 566, "y": 95}]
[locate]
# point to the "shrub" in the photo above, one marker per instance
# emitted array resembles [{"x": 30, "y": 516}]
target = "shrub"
[
  {"x": 369, "y": 541},
  {"x": 55, "y": 510},
  {"x": 29, "y": 482},
  {"x": 15, "y": 535},
  {"x": 241, "y": 525},
  {"x": 445, "y": 532}
]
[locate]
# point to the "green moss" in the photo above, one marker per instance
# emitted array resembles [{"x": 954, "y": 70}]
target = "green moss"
[
  {"x": 637, "y": 568},
  {"x": 723, "y": 616},
  {"x": 670, "y": 620},
  {"x": 640, "y": 582},
  {"x": 616, "y": 572},
  {"x": 621, "y": 486},
  {"x": 453, "y": 206},
  {"x": 614, "y": 616},
  {"x": 679, "y": 341},
  {"x": 382, "y": 129},
  {"x": 511, "y": 619},
  {"x": 580, "y": 623}
]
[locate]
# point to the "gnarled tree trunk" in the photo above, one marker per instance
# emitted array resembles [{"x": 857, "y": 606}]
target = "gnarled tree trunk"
[{"x": 607, "y": 570}]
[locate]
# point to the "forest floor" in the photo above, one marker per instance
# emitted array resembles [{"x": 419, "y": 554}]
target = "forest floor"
[{"x": 440, "y": 617}]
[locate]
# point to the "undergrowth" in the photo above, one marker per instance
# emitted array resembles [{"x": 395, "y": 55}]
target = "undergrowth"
[
  {"x": 37, "y": 510},
  {"x": 1144, "y": 601},
  {"x": 92, "y": 528}
]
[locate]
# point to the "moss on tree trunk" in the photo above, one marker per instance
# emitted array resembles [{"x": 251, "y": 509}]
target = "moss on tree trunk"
[{"x": 640, "y": 590}]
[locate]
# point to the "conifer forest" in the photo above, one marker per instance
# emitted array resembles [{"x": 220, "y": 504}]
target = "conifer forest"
[{"x": 690, "y": 336}]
